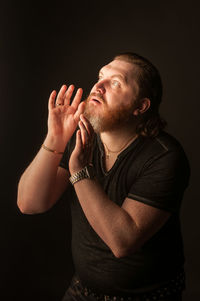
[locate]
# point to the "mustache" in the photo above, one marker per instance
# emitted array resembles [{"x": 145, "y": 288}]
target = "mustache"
[{"x": 98, "y": 95}]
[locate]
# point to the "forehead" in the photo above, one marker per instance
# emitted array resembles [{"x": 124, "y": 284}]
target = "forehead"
[
  {"x": 122, "y": 68},
  {"x": 117, "y": 66}
]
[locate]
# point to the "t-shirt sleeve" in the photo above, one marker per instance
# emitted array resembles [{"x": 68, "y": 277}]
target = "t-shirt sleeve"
[{"x": 162, "y": 181}]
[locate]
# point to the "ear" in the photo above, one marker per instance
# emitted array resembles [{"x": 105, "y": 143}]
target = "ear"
[{"x": 143, "y": 106}]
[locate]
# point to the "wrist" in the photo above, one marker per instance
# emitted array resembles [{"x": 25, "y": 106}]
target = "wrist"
[
  {"x": 86, "y": 172},
  {"x": 55, "y": 143},
  {"x": 74, "y": 170}
]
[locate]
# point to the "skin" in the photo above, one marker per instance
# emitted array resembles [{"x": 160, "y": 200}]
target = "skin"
[
  {"x": 117, "y": 86},
  {"x": 43, "y": 177},
  {"x": 124, "y": 229}
]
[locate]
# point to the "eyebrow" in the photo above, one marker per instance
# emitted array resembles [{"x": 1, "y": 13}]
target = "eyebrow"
[{"x": 120, "y": 76}]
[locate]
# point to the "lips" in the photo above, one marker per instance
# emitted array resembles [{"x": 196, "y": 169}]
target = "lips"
[{"x": 96, "y": 100}]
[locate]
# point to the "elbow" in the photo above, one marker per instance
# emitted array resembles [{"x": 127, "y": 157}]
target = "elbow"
[
  {"x": 30, "y": 210},
  {"x": 125, "y": 251},
  {"x": 29, "y": 204},
  {"x": 24, "y": 204},
  {"x": 24, "y": 208},
  {"x": 119, "y": 254}
]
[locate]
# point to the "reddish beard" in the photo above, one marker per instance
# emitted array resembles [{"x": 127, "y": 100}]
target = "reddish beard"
[{"x": 105, "y": 119}]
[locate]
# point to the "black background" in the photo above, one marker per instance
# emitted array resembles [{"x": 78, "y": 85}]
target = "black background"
[{"x": 42, "y": 46}]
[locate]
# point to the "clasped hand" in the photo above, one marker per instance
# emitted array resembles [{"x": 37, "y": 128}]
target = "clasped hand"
[
  {"x": 64, "y": 117},
  {"x": 82, "y": 153}
]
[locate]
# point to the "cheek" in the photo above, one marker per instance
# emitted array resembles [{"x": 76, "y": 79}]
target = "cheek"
[
  {"x": 122, "y": 97},
  {"x": 130, "y": 97}
]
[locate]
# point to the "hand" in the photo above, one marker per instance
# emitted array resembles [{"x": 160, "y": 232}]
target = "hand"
[
  {"x": 82, "y": 153},
  {"x": 64, "y": 117}
]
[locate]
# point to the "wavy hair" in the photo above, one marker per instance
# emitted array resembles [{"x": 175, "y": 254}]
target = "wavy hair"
[{"x": 150, "y": 86}]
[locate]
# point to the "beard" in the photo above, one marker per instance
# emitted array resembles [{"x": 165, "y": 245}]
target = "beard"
[{"x": 104, "y": 119}]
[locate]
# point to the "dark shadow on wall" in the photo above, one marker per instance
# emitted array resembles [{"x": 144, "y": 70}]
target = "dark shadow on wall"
[{"x": 36, "y": 259}]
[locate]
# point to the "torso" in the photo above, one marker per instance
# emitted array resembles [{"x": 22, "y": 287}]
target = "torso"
[
  {"x": 109, "y": 160},
  {"x": 129, "y": 174}
]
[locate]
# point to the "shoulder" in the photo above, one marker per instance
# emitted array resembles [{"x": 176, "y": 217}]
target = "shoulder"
[
  {"x": 162, "y": 172},
  {"x": 168, "y": 142},
  {"x": 163, "y": 144},
  {"x": 161, "y": 153}
]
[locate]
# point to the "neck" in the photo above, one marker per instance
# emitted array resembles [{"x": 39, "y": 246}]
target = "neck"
[{"x": 116, "y": 139}]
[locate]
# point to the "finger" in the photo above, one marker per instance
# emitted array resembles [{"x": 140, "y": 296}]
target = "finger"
[
  {"x": 84, "y": 134},
  {"x": 87, "y": 141},
  {"x": 79, "y": 145},
  {"x": 61, "y": 93},
  {"x": 77, "y": 98},
  {"x": 79, "y": 111},
  {"x": 68, "y": 95},
  {"x": 52, "y": 97},
  {"x": 87, "y": 125}
]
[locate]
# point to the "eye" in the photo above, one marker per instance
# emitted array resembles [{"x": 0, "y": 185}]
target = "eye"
[{"x": 116, "y": 83}]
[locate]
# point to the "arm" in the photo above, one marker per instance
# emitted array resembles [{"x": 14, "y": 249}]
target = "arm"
[
  {"x": 124, "y": 229},
  {"x": 44, "y": 181}
]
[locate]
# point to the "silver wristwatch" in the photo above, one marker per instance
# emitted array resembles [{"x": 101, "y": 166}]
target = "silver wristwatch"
[{"x": 86, "y": 173}]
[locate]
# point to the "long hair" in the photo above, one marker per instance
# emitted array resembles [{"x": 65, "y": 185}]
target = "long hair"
[{"x": 150, "y": 86}]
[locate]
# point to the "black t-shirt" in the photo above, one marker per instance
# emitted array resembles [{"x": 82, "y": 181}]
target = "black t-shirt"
[{"x": 154, "y": 171}]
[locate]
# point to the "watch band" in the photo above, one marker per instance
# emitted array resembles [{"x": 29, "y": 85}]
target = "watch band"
[{"x": 86, "y": 173}]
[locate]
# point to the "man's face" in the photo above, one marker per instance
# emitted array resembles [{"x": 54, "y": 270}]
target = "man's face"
[{"x": 112, "y": 100}]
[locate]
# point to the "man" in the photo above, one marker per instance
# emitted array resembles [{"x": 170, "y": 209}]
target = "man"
[{"x": 128, "y": 178}]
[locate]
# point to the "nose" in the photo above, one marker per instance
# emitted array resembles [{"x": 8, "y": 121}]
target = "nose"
[{"x": 100, "y": 87}]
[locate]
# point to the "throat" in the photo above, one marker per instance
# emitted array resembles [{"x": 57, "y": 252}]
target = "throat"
[{"x": 109, "y": 161}]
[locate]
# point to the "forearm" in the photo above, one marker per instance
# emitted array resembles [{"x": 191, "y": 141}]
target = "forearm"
[
  {"x": 43, "y": 181},
  {"x": 111, "y": 222},
  {"x": 37, "y": 184}
]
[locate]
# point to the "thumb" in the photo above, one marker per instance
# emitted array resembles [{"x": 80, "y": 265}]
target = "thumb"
[{"x": 79, "y": 144}]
